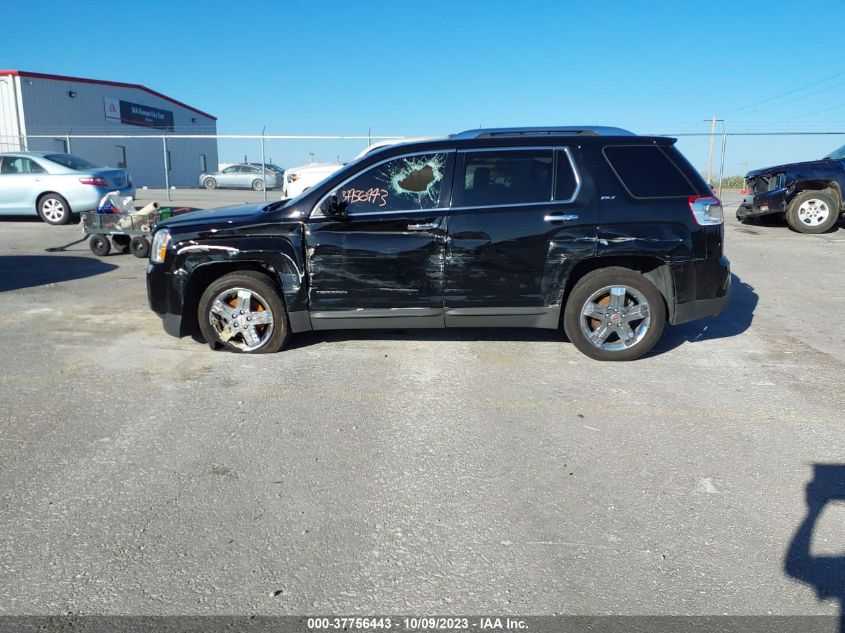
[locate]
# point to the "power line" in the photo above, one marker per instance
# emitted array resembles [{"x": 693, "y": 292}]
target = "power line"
[
  {"x": 841, "y": 105},
  {"x": 784, "y": 94},
  {"x": 803, "y": 96}
]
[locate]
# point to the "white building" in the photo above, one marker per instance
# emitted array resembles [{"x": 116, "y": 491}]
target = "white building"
[{"x": 61, "y": 108}]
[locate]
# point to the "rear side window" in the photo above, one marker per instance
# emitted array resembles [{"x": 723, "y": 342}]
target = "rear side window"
[
  {"x": 12, "y": 165},
  {"x": 71, "y": 161},
  {"x": 503, "y": 177},
  {"x": 565, "y": 181},
  {"x": 647, "y": 172}
]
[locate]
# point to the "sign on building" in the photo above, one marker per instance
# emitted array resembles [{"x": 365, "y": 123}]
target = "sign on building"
[{"x": 137, "y": 114}]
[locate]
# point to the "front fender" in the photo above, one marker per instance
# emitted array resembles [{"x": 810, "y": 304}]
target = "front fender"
[{"x": 197, "y": 263}]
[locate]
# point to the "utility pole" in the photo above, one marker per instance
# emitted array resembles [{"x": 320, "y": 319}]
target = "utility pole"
[{"x": 712, "y": 143}]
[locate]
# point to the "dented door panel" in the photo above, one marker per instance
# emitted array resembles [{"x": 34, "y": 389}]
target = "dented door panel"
[
  {"x": 376, "y": 262},
  {"x": 516, "y": 255}
]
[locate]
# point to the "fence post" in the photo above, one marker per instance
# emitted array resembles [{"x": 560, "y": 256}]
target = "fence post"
[
  {"x": 166, "y": 175},
  {"x": 263, "y": 166},
  {"x": 67, "y": 142},
  {"x": 722, "y": 163}
]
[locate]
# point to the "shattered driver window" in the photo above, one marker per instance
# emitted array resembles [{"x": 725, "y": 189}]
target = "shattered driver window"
[{"x": 409, "y": 183}]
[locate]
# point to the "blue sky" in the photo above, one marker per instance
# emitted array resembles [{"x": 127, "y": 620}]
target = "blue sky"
[{"x": 434, "y": 67}]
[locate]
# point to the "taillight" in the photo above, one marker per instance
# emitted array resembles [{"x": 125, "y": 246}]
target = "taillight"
[
  {"x": 706, "y": 210},
  {"x": 97, "y": 181}
]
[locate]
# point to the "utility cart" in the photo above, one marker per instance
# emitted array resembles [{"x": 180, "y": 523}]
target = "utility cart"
[{"x": 129, "y": 232}]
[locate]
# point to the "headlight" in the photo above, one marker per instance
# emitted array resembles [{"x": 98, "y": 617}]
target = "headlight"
[
  {"x": 293, "y": 177},
  {"x": 160, "y": 242}
]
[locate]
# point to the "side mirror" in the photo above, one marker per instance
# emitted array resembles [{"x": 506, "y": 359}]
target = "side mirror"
[{"x": 336, "y": 208}]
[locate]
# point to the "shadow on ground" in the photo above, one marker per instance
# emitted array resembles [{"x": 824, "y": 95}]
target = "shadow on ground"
[
  {"x": 733, "y": 321},
  {"x": 306, "y": 339},
  {"x": 765, "y": 224},
  {"x": 28, "y": 271},
  {"x": 825, "y": 574}
]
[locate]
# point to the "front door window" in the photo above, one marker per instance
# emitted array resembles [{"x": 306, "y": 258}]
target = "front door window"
[{"x": 409, "y": 183}]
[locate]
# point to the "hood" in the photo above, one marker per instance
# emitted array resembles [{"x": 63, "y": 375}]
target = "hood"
[
  {"x": 222, "y": 216},
  {"x": 824, "y": 163}
]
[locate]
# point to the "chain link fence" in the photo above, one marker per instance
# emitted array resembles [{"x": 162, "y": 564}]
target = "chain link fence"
[{"x": 209, "y": 170}]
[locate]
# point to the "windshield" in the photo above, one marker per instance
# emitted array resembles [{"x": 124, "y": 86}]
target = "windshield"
[
  {"x": 71, "y": 161},
  {"x": 837, "y": 154}
]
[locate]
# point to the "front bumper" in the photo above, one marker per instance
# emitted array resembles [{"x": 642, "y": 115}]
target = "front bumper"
[
  {"x": 702, "y": 289},
  {"x": 758, "y": 204},
  {"x": 166, "y": 294}
]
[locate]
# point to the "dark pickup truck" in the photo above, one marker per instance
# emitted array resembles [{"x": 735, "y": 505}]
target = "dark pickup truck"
[{"x": 809, "y": 193}]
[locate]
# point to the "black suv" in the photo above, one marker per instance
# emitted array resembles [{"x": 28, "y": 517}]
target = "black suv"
[
  {"x": 808, "y": 194},
  {"x": 607, "y": 233}
]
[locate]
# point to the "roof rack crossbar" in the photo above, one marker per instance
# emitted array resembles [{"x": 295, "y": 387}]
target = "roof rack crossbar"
[{"x": 569, "y": 130}]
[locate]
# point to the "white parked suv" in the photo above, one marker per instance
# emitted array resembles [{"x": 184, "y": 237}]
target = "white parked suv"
[{"x": 299, "y": 179}]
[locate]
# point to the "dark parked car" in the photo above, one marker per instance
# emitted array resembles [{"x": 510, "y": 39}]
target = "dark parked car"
[
  {"x": 809, "y": 194},
  {"x": 607, "y": 233}
]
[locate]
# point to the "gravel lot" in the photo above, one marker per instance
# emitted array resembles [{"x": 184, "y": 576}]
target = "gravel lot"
[{"x": 442, "y": 472}]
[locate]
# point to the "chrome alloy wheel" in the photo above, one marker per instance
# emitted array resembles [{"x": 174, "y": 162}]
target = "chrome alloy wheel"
[
  {"x": 813, "y": 212},
  {"x": 53, "y": 209},
  {"x": 242, "y": 318},
  {"x": 615, "y": 318}
]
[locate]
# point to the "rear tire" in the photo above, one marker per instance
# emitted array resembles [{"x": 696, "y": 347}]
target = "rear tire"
[
  {"x": 244, "y": 312},
  {"x": 54, "y": 209},
  {"x": 813, "y": 212},
  {"x": 99, "y": 245},
  {"x": 140, "y": 247},
  {"x": 614, "y": 313}
]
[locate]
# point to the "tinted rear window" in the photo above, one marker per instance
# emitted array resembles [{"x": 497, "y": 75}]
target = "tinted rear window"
[
  {"x": 71, "y": 161},
  {"x": 647, "y": 172}
]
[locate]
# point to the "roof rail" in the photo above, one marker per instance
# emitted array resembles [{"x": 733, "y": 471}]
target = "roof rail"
[{"x": 568, "y": 130}]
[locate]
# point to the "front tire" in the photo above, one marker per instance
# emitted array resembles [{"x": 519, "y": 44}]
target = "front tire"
[
  {"x": 54, "y": 209},
  {"x": 257, "y": 185},
  {"x": 244, "y": 312},
  {"x": 140, "y": 247},
  {"x": 812, "y": 212},
  {"x": 614, "y": 314},
  {"x": 209, "y": 183}
]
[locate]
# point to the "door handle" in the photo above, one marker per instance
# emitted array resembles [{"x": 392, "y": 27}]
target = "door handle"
[
  {"x": 422, "y": 227},
  {"x": 565, "y": 217}
]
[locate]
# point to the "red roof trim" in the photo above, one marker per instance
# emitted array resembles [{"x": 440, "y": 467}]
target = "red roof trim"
[{"x": 23, "y": 73}]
